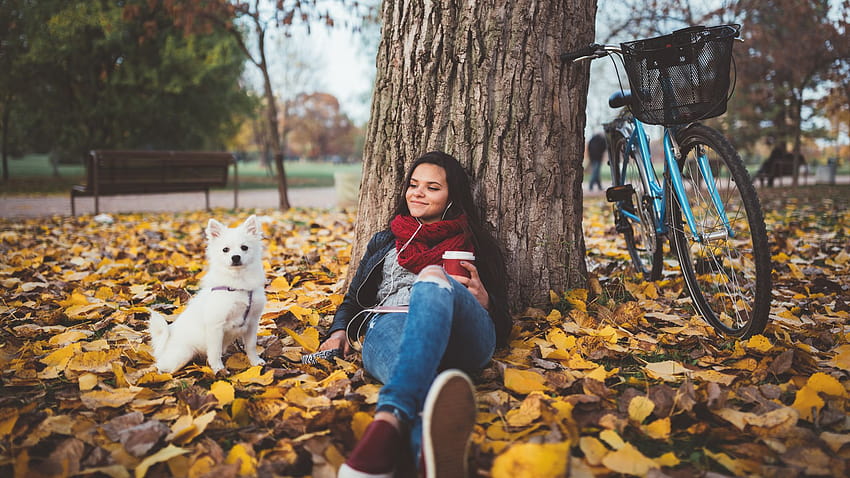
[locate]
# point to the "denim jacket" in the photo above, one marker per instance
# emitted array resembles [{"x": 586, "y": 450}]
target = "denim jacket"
[{"x": 363, "y": 290}]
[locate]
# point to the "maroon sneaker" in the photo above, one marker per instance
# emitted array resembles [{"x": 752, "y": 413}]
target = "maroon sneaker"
[
  {"x": 447, "y": 422},
  {"x": 376, "y": 454}
]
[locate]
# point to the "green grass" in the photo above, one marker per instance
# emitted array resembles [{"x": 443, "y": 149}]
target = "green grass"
[{"x": 33, "y": 174}]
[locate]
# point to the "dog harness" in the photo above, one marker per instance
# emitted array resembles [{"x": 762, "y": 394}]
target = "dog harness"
[{"x": 250, "y": 298}]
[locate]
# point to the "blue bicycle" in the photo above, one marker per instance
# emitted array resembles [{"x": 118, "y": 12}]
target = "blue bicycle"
[{"x": 704, "y": 202}]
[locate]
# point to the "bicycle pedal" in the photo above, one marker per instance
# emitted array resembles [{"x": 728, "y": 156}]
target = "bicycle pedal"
[{"x": 619, "y": 193}]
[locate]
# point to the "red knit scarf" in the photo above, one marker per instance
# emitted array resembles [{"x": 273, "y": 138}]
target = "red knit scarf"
[{"x": 430, "y": 242}]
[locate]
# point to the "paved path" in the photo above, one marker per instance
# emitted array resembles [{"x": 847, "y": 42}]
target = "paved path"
[{"x": 35, "y": 206}]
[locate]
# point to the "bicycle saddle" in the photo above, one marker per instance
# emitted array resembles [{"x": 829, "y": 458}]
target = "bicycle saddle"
[{"x": 620, "y": 98}]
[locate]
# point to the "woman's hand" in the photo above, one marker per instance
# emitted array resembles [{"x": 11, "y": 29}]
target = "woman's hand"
[
  {"x": 474, "y": 285},
  {"x": 336, "y": 340}
]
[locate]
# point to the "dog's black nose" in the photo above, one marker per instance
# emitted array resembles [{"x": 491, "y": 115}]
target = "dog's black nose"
[{"x": 236, "y": 259}]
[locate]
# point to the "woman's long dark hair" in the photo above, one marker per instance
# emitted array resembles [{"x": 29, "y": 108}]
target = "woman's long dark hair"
[{"x": 489, "y": 258}]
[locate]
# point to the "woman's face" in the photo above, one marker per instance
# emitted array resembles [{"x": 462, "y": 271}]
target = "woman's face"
[{"x": 427, "y": 193}]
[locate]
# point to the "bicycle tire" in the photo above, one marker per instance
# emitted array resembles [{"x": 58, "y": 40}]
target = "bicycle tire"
[
  {"x": 727, "y": 275},
  {"x": 642, "y": 242}
]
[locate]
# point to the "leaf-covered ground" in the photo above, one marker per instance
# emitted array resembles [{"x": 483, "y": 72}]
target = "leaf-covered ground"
[{"x": 617, "y": 379}]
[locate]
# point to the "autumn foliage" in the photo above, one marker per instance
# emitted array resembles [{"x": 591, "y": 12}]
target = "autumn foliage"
[{"x": 618, "y": 378}]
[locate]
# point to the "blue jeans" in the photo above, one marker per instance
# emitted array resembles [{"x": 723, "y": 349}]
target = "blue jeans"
[{"x": 445, "y": 327}]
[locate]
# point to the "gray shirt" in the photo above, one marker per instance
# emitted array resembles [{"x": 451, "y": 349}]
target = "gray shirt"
[{"x": 396, "y": 283}]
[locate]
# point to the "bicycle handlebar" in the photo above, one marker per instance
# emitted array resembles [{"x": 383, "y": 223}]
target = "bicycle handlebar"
[{"x": 591, "y": 51}]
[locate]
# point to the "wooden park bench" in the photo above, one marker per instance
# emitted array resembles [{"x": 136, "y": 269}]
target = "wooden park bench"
[
  {"x": 114, "y": 173},
  {"x": 778, "y": 165}
]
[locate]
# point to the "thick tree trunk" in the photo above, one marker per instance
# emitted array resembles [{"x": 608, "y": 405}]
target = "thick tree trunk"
[{"x": 483, "y": 82}]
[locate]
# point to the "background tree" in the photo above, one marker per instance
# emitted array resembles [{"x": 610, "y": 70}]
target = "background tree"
[
  {"x": 791, "y": 50},
  {"x": 251, "y": 25},
  {"x": 483, "y": 81},
  {"x": 85, "y": 77},
  {"x": 317, "y": 127}
]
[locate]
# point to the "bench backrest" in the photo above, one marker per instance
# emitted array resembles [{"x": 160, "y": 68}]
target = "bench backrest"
[{"x": 132, "y": 170}]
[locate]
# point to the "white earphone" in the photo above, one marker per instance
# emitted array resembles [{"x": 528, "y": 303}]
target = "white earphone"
[{"x": 447, "y": 210}]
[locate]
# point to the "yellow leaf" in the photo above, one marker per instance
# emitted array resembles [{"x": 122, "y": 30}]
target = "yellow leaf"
[
  {"x": 599, "y": 374},
  {"x": 668, "y": 370},
  {"x": 713, "y": 376},
  {"x": 239, "y": 411},
  {"x": 112, "y": 398},
  {"x": 628, "y": 460},
  {"x": 68, "y": 337},
  {"x": 75, "y": 298},
  {"x": 668, "y": 459},
  {"x": 528, "y": 411},
  {"x": 240, "y": 454},
  {"x": 99, "y": 361},
  {"x": 223, "y": 392},
  {"x": 827, "y": 384},
  {"x": 186, "y": 428},
  {"x": 659, "y": 429},
  {"x": 59, "y": 358},
  {"x": 298, "y": 396},
  {"x": 553, "y": 297},
  {"x": 737, "y": 467},
  {"x": 759, "y": 343},
  {"x": 8, "y": 418},
  {"x": 120, "y": 377},
  {"x": 525, "y": 381},
  {"x": 104, "y": 293},
  {"x": 165, "y": 454},
  {"x": 370, "y": 391},
  {"x": 279, "y": 284},
  {"x": 359, "y": 422},
  {"x": 593, "y": 449},
  {"x": 545, "y": 460},
  {"x": 201, "y": 467},
  {"x": 842, "y": 357},
  {"x": 561, "y": 340},
  {"x": 252, "y": 375},
  {"x": 309, "y": 340},
  {"x": 639, "y": 408},
  {"x": 82, "y": 311},
  {"x": 807, "y": 402},
  {"x": 612, "y": 439},
  {"x": 554, "y": 316},
  {"x": 87, "y": 381}
]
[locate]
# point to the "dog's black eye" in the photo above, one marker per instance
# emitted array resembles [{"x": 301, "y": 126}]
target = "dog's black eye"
[
  {"x": 244, "y": 248},
  {"x": 225, "y": 250}
]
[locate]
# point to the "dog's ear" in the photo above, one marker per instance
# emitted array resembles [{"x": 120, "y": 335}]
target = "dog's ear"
[
  {"x": 252, "y": 226},
  {"x": 214, "y": 229}
]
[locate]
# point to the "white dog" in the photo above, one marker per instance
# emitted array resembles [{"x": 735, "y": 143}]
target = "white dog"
[{"x": 228, "y": 305}]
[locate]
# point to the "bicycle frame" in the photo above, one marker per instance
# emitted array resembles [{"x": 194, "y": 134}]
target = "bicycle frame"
[{"x": 638, "y": 145}]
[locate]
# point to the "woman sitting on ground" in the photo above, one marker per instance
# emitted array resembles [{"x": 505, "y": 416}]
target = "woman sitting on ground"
[{"x": 422, "y": 321}]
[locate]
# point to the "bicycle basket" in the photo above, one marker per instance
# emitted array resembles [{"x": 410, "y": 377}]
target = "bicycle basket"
[{"x": 680, "y": 77}]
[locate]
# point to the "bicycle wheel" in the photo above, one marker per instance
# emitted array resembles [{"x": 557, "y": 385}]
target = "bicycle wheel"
[
  {"x": 727, "y": 265},
  {"x": 634, "y": 215}
]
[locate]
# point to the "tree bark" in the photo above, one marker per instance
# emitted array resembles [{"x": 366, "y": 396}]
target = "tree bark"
[
  {"x": 483, "y": 81},
  {"x": 7, "y": 109}
]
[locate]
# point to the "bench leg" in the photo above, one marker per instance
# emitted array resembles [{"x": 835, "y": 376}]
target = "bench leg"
[
  {"x": 73, "y": 208},
  {"x": 207, "y": 198}
]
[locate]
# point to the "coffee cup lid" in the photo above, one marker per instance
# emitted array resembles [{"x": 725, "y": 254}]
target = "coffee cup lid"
[{"x": 462, "y": 255}]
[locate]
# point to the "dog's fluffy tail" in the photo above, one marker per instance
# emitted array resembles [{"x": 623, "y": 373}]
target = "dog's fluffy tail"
[{"x": 159, "y": 331}]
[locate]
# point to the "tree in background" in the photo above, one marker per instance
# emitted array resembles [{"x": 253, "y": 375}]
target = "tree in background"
[
  {"x": 793, "y": 53},
  {"x": 317, "y": 127},
  {"x": 483, "y": 81},
  {"x": 251, "y": 24},
  {"x": 87, "y": 75}
]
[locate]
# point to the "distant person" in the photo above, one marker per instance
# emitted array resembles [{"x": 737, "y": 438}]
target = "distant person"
[{"x": 595, "y": 148}]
